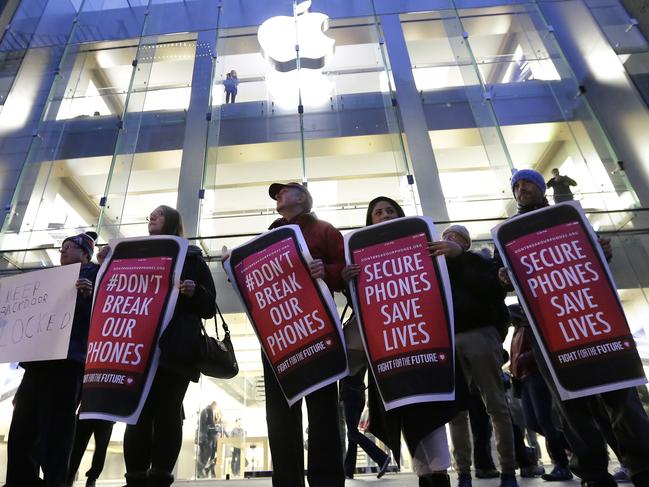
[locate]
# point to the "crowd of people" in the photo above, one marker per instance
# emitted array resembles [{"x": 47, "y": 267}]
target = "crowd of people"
[{"x": 576, "y": 432}]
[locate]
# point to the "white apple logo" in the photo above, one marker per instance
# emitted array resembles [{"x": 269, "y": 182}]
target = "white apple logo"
[{"x": 279, "y": 35}]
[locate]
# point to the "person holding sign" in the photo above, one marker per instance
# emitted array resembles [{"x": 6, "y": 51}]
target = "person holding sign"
[
  {"x": 628, "y": 420},
  {"x": 42, "y": 427},
  {"x": 325, "y": 456},
  {"x": 151, "y": 446},
  {"x": 477, "y": 303},
  {"x": 422, "y": 424}
]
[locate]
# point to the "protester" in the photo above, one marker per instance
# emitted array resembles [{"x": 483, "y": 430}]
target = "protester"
[
  {"x": 477, "y": 301},
  {"x": 422, "y": 424},
  {"x": 42, "y": 426},
  {"x": 481, "y": 433},
  {"x": 352, "y": 395},
  {"x": 85, "y": 428},
  {"x": 151, "y": 446},
  {"x": 561, "y": 186},
  {"x": 206, "y": 439},
  {"x": 325, "y": 455},
  {"x": 535, "y": 396},
  {"x": 628, "y": 420}
]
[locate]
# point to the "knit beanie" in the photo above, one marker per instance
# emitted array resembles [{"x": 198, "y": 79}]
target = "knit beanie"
[
  {"x": 86, "y": 241},
  {"x": 460, "y": 230},
  {"x": 530, "y": 175}
]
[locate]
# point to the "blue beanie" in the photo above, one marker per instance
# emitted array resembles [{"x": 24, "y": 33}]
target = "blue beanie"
[{"x": 530, "y": 175}]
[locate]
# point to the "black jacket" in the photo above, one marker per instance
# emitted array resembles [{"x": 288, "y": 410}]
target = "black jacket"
[
  {"x": 81, "y": 321},
  {"x": 478, "y": 297},
  {"x": 179, "y": 352}
]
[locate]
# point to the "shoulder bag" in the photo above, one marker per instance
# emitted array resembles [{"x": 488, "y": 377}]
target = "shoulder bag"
[{"x": 216, "y": 357}]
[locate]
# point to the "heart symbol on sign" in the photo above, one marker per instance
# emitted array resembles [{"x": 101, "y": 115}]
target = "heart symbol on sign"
[
  {"x": 129, "y": 380},
  {"x": 627, "y": 344},
  {"x": 328, "y": 343},
  {"x": 442, "y": 356}
]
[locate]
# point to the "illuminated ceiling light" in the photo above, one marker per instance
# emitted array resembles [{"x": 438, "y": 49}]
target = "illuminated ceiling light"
[{"x": 278, "y": 37}]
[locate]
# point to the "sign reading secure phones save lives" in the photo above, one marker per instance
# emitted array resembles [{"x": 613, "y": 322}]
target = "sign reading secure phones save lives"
[
  {"x": 567, "y": 291},
  {"x": 402, "y": 301}
]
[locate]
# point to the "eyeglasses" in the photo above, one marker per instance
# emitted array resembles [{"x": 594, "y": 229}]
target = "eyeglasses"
[{"x": 154, "y": 216}]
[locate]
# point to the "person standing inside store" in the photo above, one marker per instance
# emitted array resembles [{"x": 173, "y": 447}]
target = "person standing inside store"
[
  {"x": 325, "y": 452},
  {"x": 151, "y": 446},
  {"x": 424, "y": 424},
  {"x": 238, "y": 433},
  {"x": 561, "y": 186},
  {"x": 628, "y": 420},
  {"x": 42, "y": 426},
  {"x": 206, "y": 438}
]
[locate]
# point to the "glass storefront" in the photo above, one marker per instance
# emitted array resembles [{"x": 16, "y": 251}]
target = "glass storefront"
[{"x": 130, "y": 112}]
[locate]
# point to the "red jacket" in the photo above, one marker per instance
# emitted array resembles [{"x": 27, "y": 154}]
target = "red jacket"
[
  {"x": 522, "y": 358},
  {"x": 325, "y": 242}
]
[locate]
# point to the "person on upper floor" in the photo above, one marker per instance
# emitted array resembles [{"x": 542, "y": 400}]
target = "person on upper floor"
[{"x": 561, "y": 187}]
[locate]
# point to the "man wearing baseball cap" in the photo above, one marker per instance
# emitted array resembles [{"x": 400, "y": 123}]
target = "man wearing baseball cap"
[
  {"x": 627, "y": 419},
  {"x": 43, "y": 421},
  {"x": 325, "y": 466}
]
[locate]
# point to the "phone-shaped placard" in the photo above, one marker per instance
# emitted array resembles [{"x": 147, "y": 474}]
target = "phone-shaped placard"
[
  {"x": 403, "y": 304},
  {"x": 293, "y": 315},
  {"x": 135, "y": 296},
  {"x": 565, "y": 286}
]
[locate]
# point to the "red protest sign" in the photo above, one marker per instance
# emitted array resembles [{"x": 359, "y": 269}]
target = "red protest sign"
[
  {"x": 571, "y": 301},
  {"x": 132, "y": 303},
  {"x": 402, "y": 298},
  {"x": 294, "y": 316}
]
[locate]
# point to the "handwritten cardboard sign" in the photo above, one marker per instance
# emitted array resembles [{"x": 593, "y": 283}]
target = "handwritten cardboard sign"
[{"x": 36, "y": 312}]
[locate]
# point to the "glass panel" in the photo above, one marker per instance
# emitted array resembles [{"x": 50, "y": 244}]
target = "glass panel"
[
  {"x": 637, "y": 65},
  {"x": 55, "y": 195},
  {"x": 55, "y": 24},
  {"x": 496, "y": 88},
  {"x": 141, "y": 177},
  {"x": 353, "y": 143},
  {"x": 102, "y": 20},
  {"x": 170, "y": 16}
]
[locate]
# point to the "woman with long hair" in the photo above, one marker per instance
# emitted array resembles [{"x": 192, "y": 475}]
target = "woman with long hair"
[
  {"x": 423, "y": 424},
  {"x": 151, "y": 446}
]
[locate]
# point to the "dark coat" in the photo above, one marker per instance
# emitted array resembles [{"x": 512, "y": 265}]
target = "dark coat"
[
  {"x": 81, "y": 321},
  {"x": 180, "y": 349},
  {"x": 416, "y": 420},
  {"x": 478, "y": 297}
]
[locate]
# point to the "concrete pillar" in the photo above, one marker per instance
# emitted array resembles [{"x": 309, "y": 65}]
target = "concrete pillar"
[
  {"x": 413, "y": 119},
  {"x": 191, "y": 168}
]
